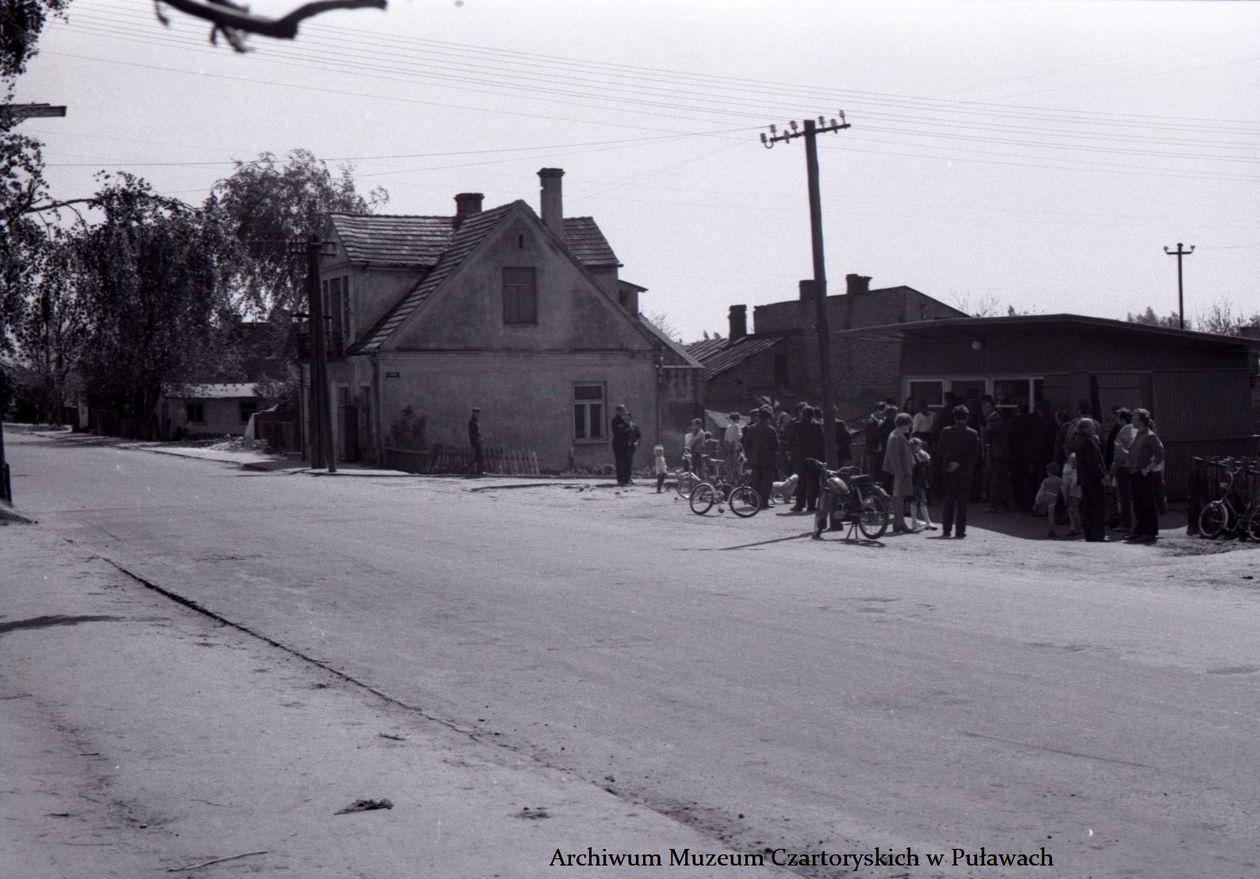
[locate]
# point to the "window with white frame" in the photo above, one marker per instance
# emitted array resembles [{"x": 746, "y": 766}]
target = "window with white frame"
[{"x": 588, "y": 412}]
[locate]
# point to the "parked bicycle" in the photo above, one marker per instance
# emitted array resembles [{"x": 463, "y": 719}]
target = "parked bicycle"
[
  {"x": 723, "y": 492},
  {"x": 1222, "y": 517},
  {"x": 848, "y": 496}
]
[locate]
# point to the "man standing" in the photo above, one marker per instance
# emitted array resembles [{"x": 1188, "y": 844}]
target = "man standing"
[
  {"x": 622, "y": 441},
  {"x": 958, "y": 449},
  {"x": 478, "y": 465},
  {"x": 761, "y": 445},
  {"x": 1120, "y": 470},
  {"x": 732, "y": 445},
  {"x": 997, "y": 446},
  {"x": 810, "y": 443}
]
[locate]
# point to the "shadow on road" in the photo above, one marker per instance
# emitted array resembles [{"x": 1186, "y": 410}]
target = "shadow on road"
[{"x": 55, "y": 620}]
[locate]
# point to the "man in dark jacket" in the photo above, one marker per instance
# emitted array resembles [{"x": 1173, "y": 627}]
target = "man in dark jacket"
[
  {"x": 761, "y": 447},
  {"x": 622, "y": 441},
  {"x": 958, "y": 449},
  {"x": 811, "y": 443}
]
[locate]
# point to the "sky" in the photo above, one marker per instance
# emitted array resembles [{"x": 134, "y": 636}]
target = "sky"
[{"x": 1039, "y": 155}]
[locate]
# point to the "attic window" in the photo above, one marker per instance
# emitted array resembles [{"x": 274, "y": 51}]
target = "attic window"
[
  {"x": 520, "y": 296},
  {"x": 520, "y": 242}
]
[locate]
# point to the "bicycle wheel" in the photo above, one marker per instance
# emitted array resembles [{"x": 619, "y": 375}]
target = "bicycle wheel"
[
  {"x": 1253, "y": 524},
  {"x": 1213, "y": 519},
  {"x": 703, "y": 497},
  {"x": 873, "y": 517},
  {"x": 744, "y": 501},
  {"x": 687, "y": 483}
]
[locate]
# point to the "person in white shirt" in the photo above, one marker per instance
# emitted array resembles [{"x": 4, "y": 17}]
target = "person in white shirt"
[
  {"x": 733, "y": 446},
  {"x": 924, "y": 421},
  {"x": 1120, "y": 471}
]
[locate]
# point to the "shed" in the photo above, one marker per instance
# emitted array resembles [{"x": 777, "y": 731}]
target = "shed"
[{"x": 206, "y": 409}]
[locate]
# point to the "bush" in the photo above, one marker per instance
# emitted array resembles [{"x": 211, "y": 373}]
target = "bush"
[{"x": 407, "y": 431}]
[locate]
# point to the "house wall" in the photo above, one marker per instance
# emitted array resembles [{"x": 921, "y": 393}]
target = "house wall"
[
  {"x": 526, "y": 399},
  {"x": 734, "y": 389},
  {"x": 223, "y": 416}
]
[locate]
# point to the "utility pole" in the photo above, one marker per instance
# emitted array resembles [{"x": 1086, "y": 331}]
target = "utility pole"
[
  {"x": 320, "y": 421},
  {"x": 18, "y": 112},
  {"x": 1181, "y": 300},
  {"x": 810, "y": 133}
]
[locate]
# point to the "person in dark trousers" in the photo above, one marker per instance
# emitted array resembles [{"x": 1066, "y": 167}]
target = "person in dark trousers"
[
  {"x": 478, "y": 465},
  {"x": 761, "y": 447},
  {"x": 1146, "y": 455},
  {"x": 811, "y": 443},
  {"x": 958, "y": 449},
  {"x": 622, "y": 444},
  {"x": 844, "y": 444},
  {"x": 886, "y": 427},
  {"x": 1091, "y": 476}
]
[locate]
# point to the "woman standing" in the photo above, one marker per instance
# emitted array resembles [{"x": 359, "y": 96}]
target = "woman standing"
[
  {"x": 899, "y": 462},
  {"x": 1146, "y": 457}
]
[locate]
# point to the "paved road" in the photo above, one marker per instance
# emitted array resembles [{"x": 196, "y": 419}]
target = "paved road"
[{"x": 1101, "y": 701}]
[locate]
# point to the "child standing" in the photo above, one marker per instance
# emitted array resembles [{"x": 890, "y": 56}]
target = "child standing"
[
  {"x": 1048, "y": 495},
  {"x": 1072, "y": 493},
  {"x": 659, "y": 468},
  {"x": 922, "y": 481}
]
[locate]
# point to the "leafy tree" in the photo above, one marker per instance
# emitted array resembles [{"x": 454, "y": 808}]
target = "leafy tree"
[
  {"x": 52, "y": 327},
  {"x": 1150, "y": 318},
  {"x": 271, "y": 204},
  {"x": 156, "y": 277},
  {"x": 21, "y": 22}
]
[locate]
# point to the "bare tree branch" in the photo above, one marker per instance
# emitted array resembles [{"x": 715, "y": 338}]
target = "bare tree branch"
[
  {"x": 53, "y": 205},
  {"x": 232, "y": 19}
]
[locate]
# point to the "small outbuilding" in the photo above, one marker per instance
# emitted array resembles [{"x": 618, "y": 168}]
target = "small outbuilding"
[{"x": 206, "y": 409}]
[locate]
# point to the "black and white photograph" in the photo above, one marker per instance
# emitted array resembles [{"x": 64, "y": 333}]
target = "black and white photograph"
[{"x": 590, "y": 438}]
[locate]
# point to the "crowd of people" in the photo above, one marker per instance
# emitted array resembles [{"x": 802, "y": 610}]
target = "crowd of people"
[{"x": 1071, "y": 469}]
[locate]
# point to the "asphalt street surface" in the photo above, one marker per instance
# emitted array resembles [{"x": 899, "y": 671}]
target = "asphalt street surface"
[{"x": 1100, "y": 701}]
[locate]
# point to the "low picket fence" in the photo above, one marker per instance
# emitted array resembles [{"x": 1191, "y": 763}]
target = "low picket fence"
[{"x": 451, "y": 459}]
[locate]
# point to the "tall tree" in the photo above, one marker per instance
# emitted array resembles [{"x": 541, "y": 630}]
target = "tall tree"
[
  {"x": 52, "y": 326},
  {"x": 272, "y": 204},
  {"x": 156, "y": 278},
  {"x": 21, "y": 23}
]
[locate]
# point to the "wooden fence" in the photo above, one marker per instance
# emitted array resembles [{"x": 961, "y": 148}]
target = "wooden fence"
[{"x": 449, "y": 459}]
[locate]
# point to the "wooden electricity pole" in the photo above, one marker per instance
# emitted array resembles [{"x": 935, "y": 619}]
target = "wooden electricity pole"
[
  {"x": 810, "y": 133},
  {"x": 1181, "y": 299},
  {"x": 320, "y": 422}
]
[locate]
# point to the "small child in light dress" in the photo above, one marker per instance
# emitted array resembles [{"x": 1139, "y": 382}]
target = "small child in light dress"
[
  {"x": 922, "y": 479},
  {"x": 659, "y": 468},
  {"x": 1048, "y": 495},
  {"x": 1072, "y": 492}
]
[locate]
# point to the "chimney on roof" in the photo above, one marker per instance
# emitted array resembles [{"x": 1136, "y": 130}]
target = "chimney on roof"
[
  {"x": 855, "y": 284},
  {"x": 467, "y": 204},
  {"x": 739, "y": 322},
  {"x": 552, "y": 201},
  {"x": 807, "y": 290}
]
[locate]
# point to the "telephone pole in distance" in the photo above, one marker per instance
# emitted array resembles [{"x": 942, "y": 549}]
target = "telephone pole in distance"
[
  {"x": 1181, "y": 300},
  {"x": 809, "y": 130}
]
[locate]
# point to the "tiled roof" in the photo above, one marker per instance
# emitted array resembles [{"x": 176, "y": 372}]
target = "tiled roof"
[
  {"x": 588, "y": 243},
  {"x": 680, "y": 350},
  {"x": 471, "y": 232},
  {"x": 719, "y": 355},
  {"x": 394, "y": 240},
  {"x": 228, "y": 391},
  {"x": 421, "y": 241}
]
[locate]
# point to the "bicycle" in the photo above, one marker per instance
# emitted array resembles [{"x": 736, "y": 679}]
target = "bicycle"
[
  {"x": 848, "y": 495},
  {"x": 741, "y": 497},
  {"x": 1219, "y": 517}
]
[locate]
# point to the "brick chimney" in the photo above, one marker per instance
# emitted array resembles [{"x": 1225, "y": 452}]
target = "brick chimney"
[
  {"x": 855, "y": 284},
  {"x": 739, "y": 322},
  {"x": 807, "y": 290},
  {"x": 552, "y": 202},
  {"x": 467, "y": 204}
]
